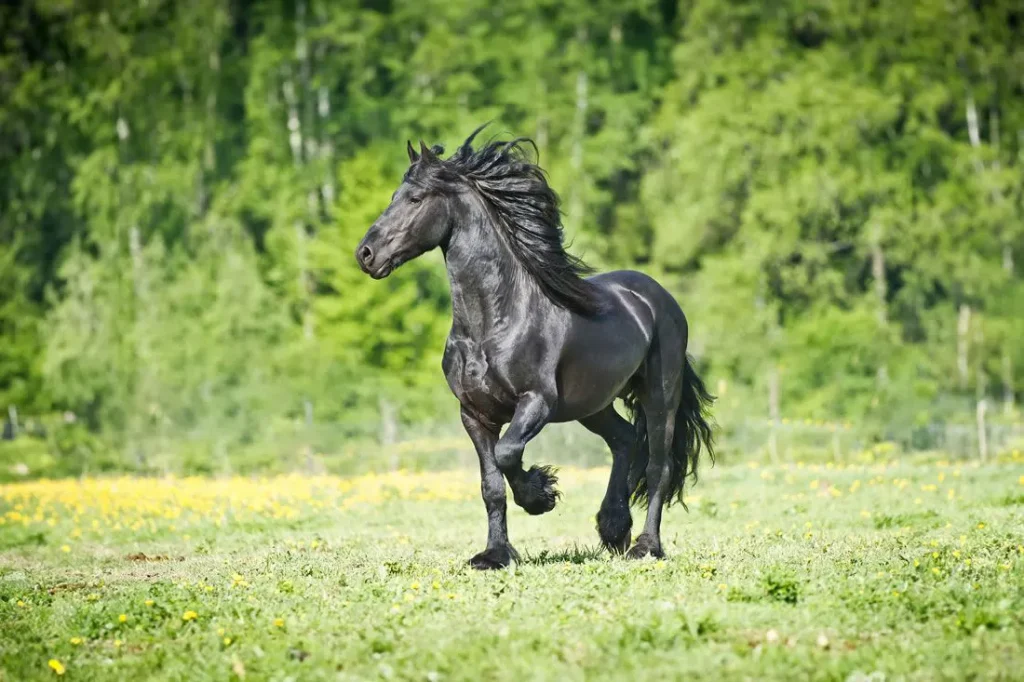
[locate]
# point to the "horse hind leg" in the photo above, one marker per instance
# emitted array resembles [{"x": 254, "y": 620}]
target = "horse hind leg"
[
  {"x": 659, "y": 397},
  {"x": 614, "y": 521}
]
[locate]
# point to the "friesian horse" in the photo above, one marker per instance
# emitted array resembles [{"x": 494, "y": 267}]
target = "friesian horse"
[{"x": 534, "y": 340}]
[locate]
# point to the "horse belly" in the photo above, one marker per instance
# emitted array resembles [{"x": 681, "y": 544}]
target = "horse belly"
[{"x": 598, "y": 365}]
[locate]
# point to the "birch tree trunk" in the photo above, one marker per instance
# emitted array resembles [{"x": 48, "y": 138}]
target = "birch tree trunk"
[
  {"x": 302, "y": 142},
  {"x": 576, "y": 203},
  {"x": 963, "y": 328},
  {"x": 881, "y": 294},
  {"x": 997, "y": 199},
  {"x": 773, "y": 411}
]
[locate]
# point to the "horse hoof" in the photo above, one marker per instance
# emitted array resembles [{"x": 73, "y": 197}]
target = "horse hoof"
[
  {"x": 645, "y": 547},
  {"x": 614, "y": 527},
  {"x": 536, "y": 492},
  {"x": 494, "y": 558}
]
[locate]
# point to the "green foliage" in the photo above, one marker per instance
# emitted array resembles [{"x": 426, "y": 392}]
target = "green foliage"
[{"x": 830, "y": 188}]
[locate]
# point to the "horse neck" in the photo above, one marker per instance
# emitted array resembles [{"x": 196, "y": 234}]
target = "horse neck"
[{"x": 489, "y": 287}]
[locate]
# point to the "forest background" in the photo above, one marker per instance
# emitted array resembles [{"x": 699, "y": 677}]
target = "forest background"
[{"x": 832, "y": 188}]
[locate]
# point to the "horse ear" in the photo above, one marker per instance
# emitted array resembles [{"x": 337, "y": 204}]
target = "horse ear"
[
  {"x": 413, "y": 156},
  {"x": 427, "y": 153}
]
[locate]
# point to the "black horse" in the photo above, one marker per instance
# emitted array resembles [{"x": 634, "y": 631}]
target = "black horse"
[{"x": 533, "y": 341}]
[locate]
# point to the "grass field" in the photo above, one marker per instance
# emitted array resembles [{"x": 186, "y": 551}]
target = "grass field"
[{"x": 898, "y": 571}]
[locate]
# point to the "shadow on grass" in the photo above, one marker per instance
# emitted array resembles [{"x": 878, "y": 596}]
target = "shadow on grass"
[{"x": 577, "y": 554}]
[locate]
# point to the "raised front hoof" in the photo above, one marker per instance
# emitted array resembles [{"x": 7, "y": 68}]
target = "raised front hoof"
[
  {"x": 614, "y": 527},
  {"x": 645, "y": 547},
  {"x": 493, "y": 558},
  {"x": 536, "y": 491}
]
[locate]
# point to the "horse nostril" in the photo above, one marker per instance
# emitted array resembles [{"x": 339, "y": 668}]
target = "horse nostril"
[{"x": 365, "y": 255}]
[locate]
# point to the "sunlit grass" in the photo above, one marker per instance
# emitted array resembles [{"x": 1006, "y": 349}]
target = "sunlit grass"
[{"x": 801, "y": 570}]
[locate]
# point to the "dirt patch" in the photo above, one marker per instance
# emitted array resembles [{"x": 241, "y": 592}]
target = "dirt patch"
[
  {"x": 67, "y": 587},
  {"x": 139, "y": 556}
]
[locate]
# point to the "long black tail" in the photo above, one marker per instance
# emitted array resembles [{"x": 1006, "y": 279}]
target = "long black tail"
[{"x": 693, "y": 433}]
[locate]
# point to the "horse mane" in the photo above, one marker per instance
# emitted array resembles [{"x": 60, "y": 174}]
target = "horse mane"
[{"x": 527, "y": 212}]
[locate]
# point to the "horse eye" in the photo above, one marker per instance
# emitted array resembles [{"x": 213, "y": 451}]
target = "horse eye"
[{"x": 415, "y": 200}]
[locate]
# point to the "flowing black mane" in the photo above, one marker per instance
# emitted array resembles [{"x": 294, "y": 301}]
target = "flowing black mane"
[{"x": 527, "y": 212}]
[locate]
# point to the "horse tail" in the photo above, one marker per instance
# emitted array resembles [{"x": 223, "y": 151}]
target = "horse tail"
[{"x": 693, "y": 433}]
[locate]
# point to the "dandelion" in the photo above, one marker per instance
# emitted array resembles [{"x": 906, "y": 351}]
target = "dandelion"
[
  {"x": 56, "y": 666},
  {"x": 227, "y": 641},
  {"x": 189, "y": 616},
  {"x": 118, "y": 643},
  {"x": 75, "y": 641},
  {"x": 123, "y": 618},
  {"x": 415, "y": 585},
  {"x": 279, "y": 622},
  {"x": 981, "y": 526},
  {"x": 436, "y": 585},
  {"x": 65, "y": 548},
  {"x": 149, "y": 602}
]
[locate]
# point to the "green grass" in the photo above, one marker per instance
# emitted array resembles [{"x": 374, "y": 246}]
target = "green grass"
[{"x": 779, "y": 572}]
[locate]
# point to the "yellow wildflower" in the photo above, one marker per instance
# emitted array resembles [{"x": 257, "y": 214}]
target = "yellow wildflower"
[
  {"x": 189, "y": 615},
  {"x": 56, "y": 666},
  {"x": 279, "y": 622}
]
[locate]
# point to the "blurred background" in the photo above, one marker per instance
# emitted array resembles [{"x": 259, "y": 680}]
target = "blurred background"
[{"x": 833, "y": 189}]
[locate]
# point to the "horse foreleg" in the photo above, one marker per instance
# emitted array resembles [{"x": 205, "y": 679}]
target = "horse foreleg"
[
  {"x": 499, "y": 552},
  {"x": 533, "y": 490}
]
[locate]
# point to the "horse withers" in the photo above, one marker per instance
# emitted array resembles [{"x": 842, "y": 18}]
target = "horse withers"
[{"x": 534, "y": 340}]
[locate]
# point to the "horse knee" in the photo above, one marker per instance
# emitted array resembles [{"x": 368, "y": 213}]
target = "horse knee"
[{"x": 508, "y": 455}]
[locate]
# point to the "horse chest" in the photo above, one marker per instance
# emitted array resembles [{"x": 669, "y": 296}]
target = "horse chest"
[{"x": 475, "y": 381}]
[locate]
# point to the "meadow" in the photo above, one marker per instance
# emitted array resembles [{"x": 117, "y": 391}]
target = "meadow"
[{"x": 883, "y": 571}]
